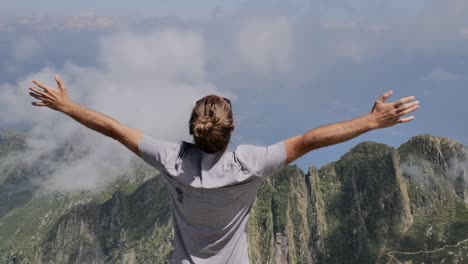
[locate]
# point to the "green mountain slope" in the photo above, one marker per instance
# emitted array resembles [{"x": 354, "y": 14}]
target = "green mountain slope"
[{"x": 376, "y": 204}]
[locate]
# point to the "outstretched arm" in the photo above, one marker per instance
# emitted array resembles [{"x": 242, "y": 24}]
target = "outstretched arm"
[
  {"x": 382, "y": 115},
  {"x": 59, "y": 100}
]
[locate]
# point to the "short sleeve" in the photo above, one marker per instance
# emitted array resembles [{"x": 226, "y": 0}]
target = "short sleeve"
[
  {"x": 262, "y": 161},
  {"x": 158, "y": 153}
]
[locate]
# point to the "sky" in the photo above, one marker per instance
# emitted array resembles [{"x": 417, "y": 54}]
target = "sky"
[{"x": 287, "y": 66}]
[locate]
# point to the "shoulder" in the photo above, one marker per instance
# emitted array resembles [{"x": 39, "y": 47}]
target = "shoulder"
[
  {"x": 158, "y": 153},
  {"x": 249, "y": 157},
  {"x": 256, "y": 151},
  {"x": 150, "y": 145},
  {"x": 261, "y": 160},
  {"x": 248, "y": 151}
]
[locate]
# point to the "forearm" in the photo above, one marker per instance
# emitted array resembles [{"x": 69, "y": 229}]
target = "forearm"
[
  {"x": 93, "y": 120},
  {"x": 328, "y": 135},
  {"x": 336, "y": 133}
]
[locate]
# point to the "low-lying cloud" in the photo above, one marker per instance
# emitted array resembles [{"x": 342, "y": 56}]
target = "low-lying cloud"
[
  {"x": 421, "y": 171},
  {"x": 148, "y": 81}
]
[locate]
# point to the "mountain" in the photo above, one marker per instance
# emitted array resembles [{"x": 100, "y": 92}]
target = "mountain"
[{"x": 376, "y": 204}]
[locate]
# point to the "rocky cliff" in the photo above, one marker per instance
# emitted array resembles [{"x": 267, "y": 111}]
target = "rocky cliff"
[{"x": 376, "y": 204}]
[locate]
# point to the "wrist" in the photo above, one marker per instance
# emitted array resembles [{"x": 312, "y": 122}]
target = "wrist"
[
  {"x": 370, "y": 122},
  {"x": 67, "y": 107}
]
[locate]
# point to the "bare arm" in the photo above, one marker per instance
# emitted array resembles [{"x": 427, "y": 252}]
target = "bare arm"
[
  {"x": 59, "y": 100},
  {"x": 382, "y": 115}
]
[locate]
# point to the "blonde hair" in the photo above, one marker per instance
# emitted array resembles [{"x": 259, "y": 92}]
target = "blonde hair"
[{"x": 211, "y": 123}]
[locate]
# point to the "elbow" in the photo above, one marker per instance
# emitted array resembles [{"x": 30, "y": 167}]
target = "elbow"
[{"x": 114, "y": 132}]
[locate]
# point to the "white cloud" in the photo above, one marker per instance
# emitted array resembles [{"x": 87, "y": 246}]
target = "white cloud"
[
  {"x": 464, "y": 33},
  {"x": 265, "y": 44},
  {"x": 415, "y": 170},
  {"x": 439, "y": 74},
  {"x": 148, "y": 81},
  {"x": 458, "y": 166},
  {"x": 168, "y": 55},
  {"x": 5, "y": 26},
  {"x": 86, "y": 21},
  {"x": 23, "y": 50}
]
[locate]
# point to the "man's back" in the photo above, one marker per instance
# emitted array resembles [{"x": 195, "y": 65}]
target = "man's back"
[{"x": 212, "y": 195}]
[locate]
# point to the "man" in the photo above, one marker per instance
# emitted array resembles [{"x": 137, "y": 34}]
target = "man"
[{"x": 211, "y": 189}]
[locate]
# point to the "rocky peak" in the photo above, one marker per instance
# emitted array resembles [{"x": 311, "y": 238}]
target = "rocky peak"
[
  {"x": 435, "y": 168},
  {"x": 438, "y": 151},
  {"x": 366, "y": 188}
]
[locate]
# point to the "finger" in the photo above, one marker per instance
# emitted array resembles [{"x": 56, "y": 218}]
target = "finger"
[
  {"x": 385, "y": 96},
  {"x": 40, "y": 96},
  {"x": 409, "y": 110},
  {"x": 40, "y": 104},
  {"x": 37, "y": 91},
  {"x": 35, "y": 95},
  {"x": 41, "y": 85},
  {"x": 406, "y": 119},
  {"x": 43, "y": 99},
  {"x": 59, "y": 81},
  {"x": 407, "y": 106},
  {"x": 402, "y": 101}
]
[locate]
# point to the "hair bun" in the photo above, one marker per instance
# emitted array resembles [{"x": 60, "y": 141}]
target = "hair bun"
[
  {"x": 203, "y": 126},
  {"x": 211, "y": 124}
]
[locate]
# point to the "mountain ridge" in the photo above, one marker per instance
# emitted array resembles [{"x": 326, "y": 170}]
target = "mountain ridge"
[{"x": 353, "y": 210}]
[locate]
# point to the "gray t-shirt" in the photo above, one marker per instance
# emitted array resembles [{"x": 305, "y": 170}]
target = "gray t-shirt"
[{"x": 211, "y": 195}]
